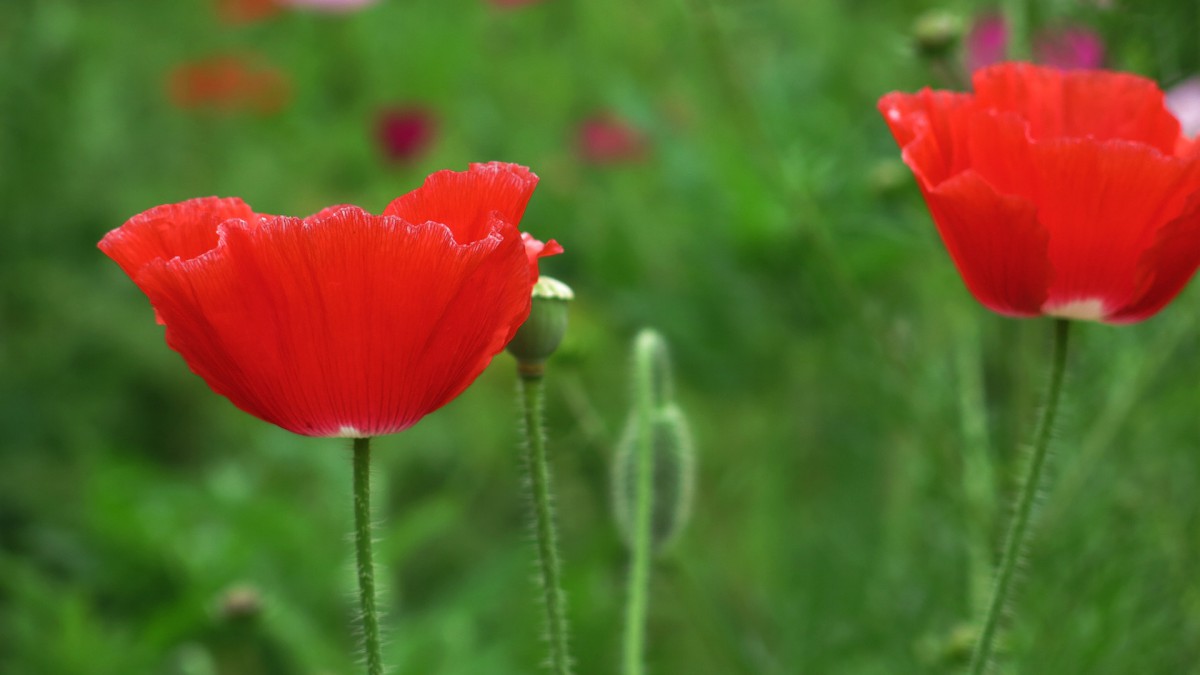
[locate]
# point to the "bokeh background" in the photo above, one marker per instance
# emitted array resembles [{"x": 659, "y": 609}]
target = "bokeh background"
[{"x": 715, "y": 169}]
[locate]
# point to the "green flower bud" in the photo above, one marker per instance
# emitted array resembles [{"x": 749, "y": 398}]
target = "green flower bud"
[
  {"x": 542, "y": 332},
  {"x": 936, "y": 33},
  {"x": 674, "y": 476},
  {"x": 650, "y": 349},
  {"x": 240, "y": 602}
]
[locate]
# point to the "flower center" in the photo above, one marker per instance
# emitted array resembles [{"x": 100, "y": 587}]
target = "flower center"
[
  {"x": 349, "y": 432},
  {"x": 1091, "y": 309}
]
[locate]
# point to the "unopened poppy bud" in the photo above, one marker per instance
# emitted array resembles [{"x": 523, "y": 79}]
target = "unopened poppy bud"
[
  {"x": 542, "y": 332},
  {"x": 936, "y": 33},
  {"x": 650, "y": 345},
  {"x": 239, "y": 602},
  {"x": 674, "y": 476}
]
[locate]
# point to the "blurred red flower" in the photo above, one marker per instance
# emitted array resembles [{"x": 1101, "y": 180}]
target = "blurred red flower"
[
  {"x": 405, "y": 132},
  {"x": 343, "y": 323},
  {"x": 246, "y": 11},
  {"x": 228, "y": 83},
  {"x": 608, "y": 139},
  {"x": 1064, "y": 47},
  {"x": 334, "y": 6},
  {"x": 1070, "y": 194}
]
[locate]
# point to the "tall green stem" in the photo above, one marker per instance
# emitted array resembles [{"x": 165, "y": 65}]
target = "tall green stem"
[
  {"x": 532, "y": 393},
  {"x": 1014, "y": 543},
  {"x": 362, "y": 545},
  {"x": 640, "y": 544},
  {"x": 1016, "y": 13}
]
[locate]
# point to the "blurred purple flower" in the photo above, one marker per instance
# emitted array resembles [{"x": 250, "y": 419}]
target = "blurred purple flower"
[
  {"x": 605, "y": 138},
  {"x": 342, "y": 6},
  {"x": 1183, "y": 100},
  {"x": 1068, "y": 47},
  {"x": 986, "y": 41},
  {"x": 405, "y": 132}
]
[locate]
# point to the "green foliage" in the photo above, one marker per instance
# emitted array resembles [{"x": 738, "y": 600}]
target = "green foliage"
[{"x": 819, "y": 331}]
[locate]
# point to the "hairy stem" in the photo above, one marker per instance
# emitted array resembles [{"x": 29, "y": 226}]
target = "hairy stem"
[
  {"x": 362, "y": 545},
  {"x": 637, "y": 600},
  {"x": 532, "y": 393},
  {"x": 1014, "y": 543}
]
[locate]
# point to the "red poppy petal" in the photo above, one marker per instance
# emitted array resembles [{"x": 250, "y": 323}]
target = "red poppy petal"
[
  {"x": 996, "y": 242},
  {"x": 1094, "y": 104},
  {"x": 927, "y": 126},
  {"x": 184, "y": 230},
  {"x": 535, "y": 249},
  {"x": 1166, "y": 266},
  {"x": 345, "y": 325},
  {"x": 1104, "y": 204},
  {"x": 465, "y": 200}
]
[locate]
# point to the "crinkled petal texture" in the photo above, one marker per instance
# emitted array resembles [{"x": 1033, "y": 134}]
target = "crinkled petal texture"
[
  {"x": 1071, "y": 194},
  {"x": 343, "y": 323}
]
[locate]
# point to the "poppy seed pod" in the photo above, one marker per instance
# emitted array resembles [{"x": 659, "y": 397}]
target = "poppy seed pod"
[{"x": 543, "y": 331}]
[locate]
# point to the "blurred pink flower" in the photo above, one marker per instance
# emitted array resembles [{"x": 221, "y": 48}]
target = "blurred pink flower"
[
  {"x": 405, "y": 132},
  {"x": 1068, "y": 47},
  {"x": 343, "y": 6},
  {"x": 986, "y": 41},
  {"x": 605, "y": 138},
  {"x": 1183, "y": 100}
]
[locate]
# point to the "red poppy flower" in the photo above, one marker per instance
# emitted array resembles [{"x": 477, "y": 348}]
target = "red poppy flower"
[
  {"x": 405, "y": 132},
  {"x": 228, "y": 83},
  {"x": 1066, "y": 193},
  {"x": 343, "y": 323}
]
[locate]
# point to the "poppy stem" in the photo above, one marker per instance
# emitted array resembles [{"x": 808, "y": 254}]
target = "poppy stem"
[
  {"x": 648, "y": 362},
  {"x": 1015, "y": 541},
  {"x": 532, "y": 391},
  {"x": 362, "y": 544}
]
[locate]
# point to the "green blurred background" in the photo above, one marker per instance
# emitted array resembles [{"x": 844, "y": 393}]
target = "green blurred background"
[{"x": 856, "y": 413}]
